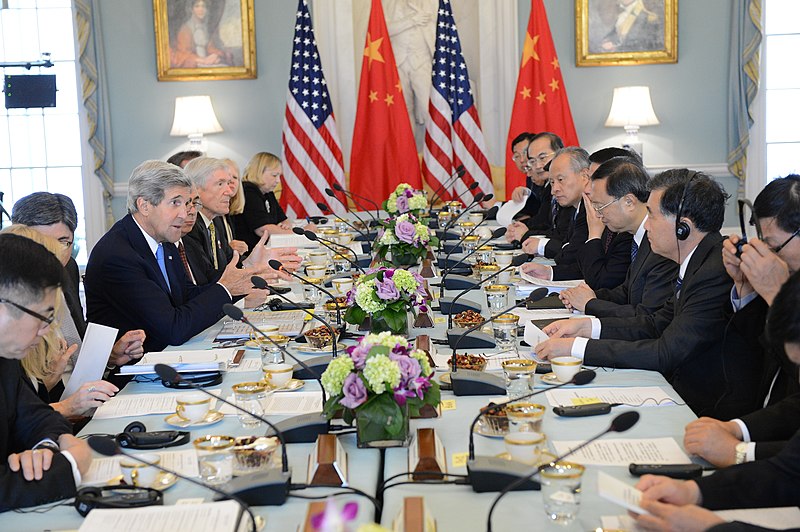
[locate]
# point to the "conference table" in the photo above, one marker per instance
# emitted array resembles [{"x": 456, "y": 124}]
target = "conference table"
[{"x": 454, "y": 507}]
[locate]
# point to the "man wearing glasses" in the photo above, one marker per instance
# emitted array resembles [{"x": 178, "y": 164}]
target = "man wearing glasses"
[
  {"x": 42, "y": 461},
  {"x": 764, "y": 266}
]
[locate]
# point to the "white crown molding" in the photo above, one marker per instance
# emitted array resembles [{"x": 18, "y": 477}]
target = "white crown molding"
[{"x": 714, "y": 170}]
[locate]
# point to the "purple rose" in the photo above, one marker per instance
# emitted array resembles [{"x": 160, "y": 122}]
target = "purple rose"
[
  {"x": 402, "y": 204},
  {"x": 409, "y": 192},
  {"x": 355, "y": 393},
  {"x": 409, "y": 367},
  {"x": 386, "y": 290},
  {"x": 388, "y": 273},
  {"x": 359, "y": 355},
  {"x": 405, "y": 231}
]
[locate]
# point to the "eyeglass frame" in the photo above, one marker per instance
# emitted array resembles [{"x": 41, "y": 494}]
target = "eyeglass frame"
[
  {"x": 28, "y": 311},
  {"x": 599, "y": 210},
  {"x": 755, "y": 222},
  {"x": 541, "y": 158}
]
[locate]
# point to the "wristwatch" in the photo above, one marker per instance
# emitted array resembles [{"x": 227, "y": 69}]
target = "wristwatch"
[{"x": 741, "y": 452}]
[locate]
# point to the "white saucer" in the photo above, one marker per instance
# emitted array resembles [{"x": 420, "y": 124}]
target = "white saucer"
[
  {"x": 292, "y": 385},
  {"x": 550, "y": 379},
  {"x": 327, "y": 350},
  {"x": 483, "y": 428},
  {"x": 163, "y": 481},
  {"x": 213, "y": 416}
]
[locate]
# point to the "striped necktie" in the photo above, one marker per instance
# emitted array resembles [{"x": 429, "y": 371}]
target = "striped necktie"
[
  {"x": 213, "y": 232},
  {"x": 634, "y": 251},
  {"x": 185, "y": 261},
  {"x": 678, "y": 285}
]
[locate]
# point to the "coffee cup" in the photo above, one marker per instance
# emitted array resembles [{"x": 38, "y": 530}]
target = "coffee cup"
[
  {"x": 139, "y": 474},
  {"x": 475, "y": 217},
  {"x": 565, "y": 367},
  {"x": 503, "y": 257},
  {"x": 192, "y": 406},
  {"x": 320, "y": 258},
  {"x": 342, "y": 285},
  {"x": 278, "y": 375},
  {"x": 525, "y": 447}
]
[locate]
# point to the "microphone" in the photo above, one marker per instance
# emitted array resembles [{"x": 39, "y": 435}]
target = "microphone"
[
  {"x": 107, "y": 446},
  {"x": 459, "y": 173},
  {"x": 352, "y": 195},
  {"x": 463, "y": 281},
  {"x": 314, "y": 237},
  {"x": 303, "y": 428},
  {"x": 471, "y": 382},
  {"x": 278, "y": 266},
  {"x": 491, "y": 212},
  {"x": 478, "y": 197},
  {"x": 621, "y": 423},
  {"x": 364, "y": 236},
  {"x": 451, "y": 302},
  {"x": 332, "y": 194}
]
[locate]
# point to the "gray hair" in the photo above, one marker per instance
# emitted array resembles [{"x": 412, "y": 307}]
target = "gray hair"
[
  {"x": 45, "y": 208},
  {"x": 578, "y": 157},
  {"x": 200, "y": 169},
  {"x": 150, "y": 181}
]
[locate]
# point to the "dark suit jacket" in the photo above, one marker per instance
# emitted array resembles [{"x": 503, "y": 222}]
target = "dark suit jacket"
[
  {"x": 25, "y": 421},
  {"x": 649, "y": 282},
  {"x": 256, "y": 213},
  {"x": 567, "y": 257},
  {"x": 540, "y": 221},
  {"x": 688, "y": 341},
  {"x": 760, "y": 484},
  {"x": 558, "y": 233},
  {"x": 126, "y": 290},
  {"x": 198, "y": 250},
  {"x": 71, "y": 288},
  {"x": 603, "y": 267},
  {"x": 202, "y": 267},
  {"x": 772, "y": 426}
]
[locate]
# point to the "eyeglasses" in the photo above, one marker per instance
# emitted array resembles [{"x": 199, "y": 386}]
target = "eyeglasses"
[
  {"x": 779, "y": 248},
  {"x": 196, "y": 204},
  {"x": 543, "y": 158},
  {"x": 755, "y": 222},
  {"x": 599, "y": 209},
  {"x": 28, "y": 311}
]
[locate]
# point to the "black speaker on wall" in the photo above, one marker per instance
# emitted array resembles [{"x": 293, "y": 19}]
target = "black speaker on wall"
[{"x": 32, "y": 90}]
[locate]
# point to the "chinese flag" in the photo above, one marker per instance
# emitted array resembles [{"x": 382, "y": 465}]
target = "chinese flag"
[
  {"x": 384, "y": 153},
  {"x": 540, "y": 103}
]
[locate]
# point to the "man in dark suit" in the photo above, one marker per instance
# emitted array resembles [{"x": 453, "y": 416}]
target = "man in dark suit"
[
  {"x": 40, "y": 460},
  {"x": 619, "y": 195},
  {"x": 686, "y": 339},
  {"x": 135, "y": 279},
  {"x": 760, "y": 484}
]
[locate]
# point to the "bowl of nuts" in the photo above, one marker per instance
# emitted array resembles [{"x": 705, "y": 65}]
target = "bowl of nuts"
[
  {"x": 467, "y": 319},
  {"x": 252, "y": 453},
  {"x": 319, "y": 337},
  {"x": 473, "y": 362},
  {"x": 497, "y": 420}
]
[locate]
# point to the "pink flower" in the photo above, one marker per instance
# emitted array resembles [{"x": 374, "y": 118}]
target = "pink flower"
[
  {"x": 355, "y": 393},
  {"x": 405, "y": 231},
  {"x": 402, "y": 204}
]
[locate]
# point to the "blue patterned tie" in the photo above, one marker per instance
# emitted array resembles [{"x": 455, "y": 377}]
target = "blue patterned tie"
[
  {"x": 162, "y": 265},
  {"x": 553, "y": 211},
  {"x": 634, "y": 251},
  {"x": 678, "y": 285}
]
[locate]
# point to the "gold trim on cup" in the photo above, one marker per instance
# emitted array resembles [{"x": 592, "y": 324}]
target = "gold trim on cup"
[
  {"x": 267, "y": 370},
  {"x": 250, "y": 387},
  {"x": 508, "y": 319},
  {"x": 509, "y": 439},
  {"x": 557, "y": 362},
  {"x": 472, "y": 238},
  {"x": 278, "y": 338},
  {"x": 312, "y": 280},
  {"x": 213, "y": 443},
  {"x": 497, "y": 289},
  {"x": 328, "y": 232},
  {"x": 200, "y": 402},
  {"x": 488, "y": 268},
  {"x": 525, "y": 411},
  {"x": 565, "y": 467}
]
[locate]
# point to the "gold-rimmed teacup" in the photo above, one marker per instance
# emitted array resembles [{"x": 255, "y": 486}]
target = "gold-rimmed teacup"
[
  {"x": 192, "y": 406},
  {"x": 137, "y": 473},
  {"x": 566, "y": 367},
  {"x": 525, "y": 447}
]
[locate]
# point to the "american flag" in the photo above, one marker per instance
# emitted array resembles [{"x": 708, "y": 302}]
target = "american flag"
[
  {"x": 453, "y": 133},
  {"x": 311, "y": 152}
]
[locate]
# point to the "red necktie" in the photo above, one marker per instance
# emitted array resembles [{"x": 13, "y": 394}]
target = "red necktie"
[{"x": 185, "y": 261}]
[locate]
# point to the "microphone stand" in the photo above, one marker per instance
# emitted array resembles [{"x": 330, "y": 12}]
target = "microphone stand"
[
  {"x": 451, "y": 223},
  {"x": 499, "y": 232},
  {"x": 352, "y": 195},
  {"x": 365, "y": 236},
  {"x": 333, "y": 195},
  {"x": 314, "y": 237},
  {"x": 460, "y": 171},
  {"x": 108, "y": 447},
  {"x": 277, "y": 265},
  {"x": 621, "y": 423}
]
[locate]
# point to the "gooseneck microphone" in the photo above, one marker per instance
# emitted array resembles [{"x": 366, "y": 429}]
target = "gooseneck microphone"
[
  {"x": 491, "y": 212},
  {"x": 480, "y": 196},
  {"x": 278, "y": 266},
  {"x": 314, "y": 237},
  {"x": 297, "y": 429},
  {"x": 107, "y": 446},
  {"x": 352, "y": 195},
  {"x": 333, "y": 195},
  {"x": 464, "y": 282},
  {"x": 621, "y": 423},
  {"x": 324, "y": 208},
  {"x": 458, "y": 174},
  {"x": 516, "y": 261}
]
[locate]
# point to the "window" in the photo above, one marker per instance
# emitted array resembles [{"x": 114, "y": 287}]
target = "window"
[
  {"x": 782, "y": 84},
  {"x": 40, "y": 149}
]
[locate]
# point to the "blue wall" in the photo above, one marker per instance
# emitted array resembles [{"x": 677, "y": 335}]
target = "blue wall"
[{"x": 689, "y": 97}]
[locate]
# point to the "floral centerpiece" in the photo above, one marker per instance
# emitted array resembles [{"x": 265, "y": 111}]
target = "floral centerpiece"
[
  {"x": 407, "y": 237},
  {"x": 379, "y": 383},
  {"x": 405, "y": 199},
  {"x": 385, "y": 296}
]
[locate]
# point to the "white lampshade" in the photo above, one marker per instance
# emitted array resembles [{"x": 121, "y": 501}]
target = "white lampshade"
[
  {"x": 194, "y": 115},
  {"x": 631, "y": 106}
]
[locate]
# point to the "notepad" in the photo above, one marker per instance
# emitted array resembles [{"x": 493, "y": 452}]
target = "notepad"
[
  {"x": 206, "y": 517},
  {"x": 638, "y": 396},
  {"x": 624, "y": 451},
  {"x": 182, "y": 361},
  {"x": 619, "y": 492},
  {"x": 142, "y": 404}
]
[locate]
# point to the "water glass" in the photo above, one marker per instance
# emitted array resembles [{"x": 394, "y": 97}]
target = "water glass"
[
  {"x": 470, "y": 243},
  {"x": 561, "y": 491},
  {"x": 464, "y": 228},
  {"x": 519, "y": 375},
  {"x": 505, "y": 331},
  {"x": 251, "y": 397},
  {"x": 485, "y": 254},
  {"x": 312, "y": 293},
  {"x": 341, "y": 225},
  {"x": 455, "y": 208},
  {"x": 444, "y": 218},
  {"x": 340, "y": 264},
  {"x": 525, "y": 417},
  {"x": 271, "y": 353},
  {"x": 496, "y": 297},
  {"x": 215, "y": 458}
]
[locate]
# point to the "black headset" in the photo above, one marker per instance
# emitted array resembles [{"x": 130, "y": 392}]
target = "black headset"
[
  {"x": 122, "y": 496},
  {"x": 682, "y": 229}
]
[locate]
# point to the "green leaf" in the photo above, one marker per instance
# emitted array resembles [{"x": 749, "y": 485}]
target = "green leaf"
[{"x": 355, "y": 315}]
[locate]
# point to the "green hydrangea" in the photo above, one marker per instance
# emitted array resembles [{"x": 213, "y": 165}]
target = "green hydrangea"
[
  {"x": 380, "y": 371},
  {"x": 391, "y": 203},
  {"x": 423, "y": 233},
  {"x": 367, "y": 298},
  {"x": 385, "y": 338},
  {"x": 418, "y": 202},
  {"x": 338, "y": 370},
  {"x": 422, "y": 358},
  {"x": 404, "y": 281},
  {"x": 388, "y": 239}
]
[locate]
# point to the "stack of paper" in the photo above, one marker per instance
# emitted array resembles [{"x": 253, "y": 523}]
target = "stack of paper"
[
  {"x": 142, "y": 404},
  {"x": 205, "y": 517},
  {"x": 181, "y": 361}
]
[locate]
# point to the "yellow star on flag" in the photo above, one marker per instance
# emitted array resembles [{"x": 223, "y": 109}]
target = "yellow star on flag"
[
  {"x": 526, "y": 93},
  {"x": 554, "y": 62},
  {"x": 399, "y": 86},
  {"x": 553, "y": 85},
  {"x": 389, "y": 99},
  {"x": 373, "y": 49},
  {"x": 541, "y": 97},
  {"x": 373, "y": 96},
  {"x": 529, "y": 49}
]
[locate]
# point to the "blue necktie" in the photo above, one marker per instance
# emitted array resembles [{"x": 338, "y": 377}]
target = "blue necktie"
[
  {"x": 634, "y": 251},
  {"x": 162, "y": 265},
  {"x": 678, "y": 285}
]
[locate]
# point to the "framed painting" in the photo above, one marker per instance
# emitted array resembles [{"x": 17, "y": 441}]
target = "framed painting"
[
  {"x": 204, "y": 39},
  {"x": 626, "y": 32}
]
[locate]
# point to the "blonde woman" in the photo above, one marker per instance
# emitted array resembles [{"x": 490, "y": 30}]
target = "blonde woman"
[
  {"x": 236, "y": 206},
  {"x": 46, "y": 363},
  {"x": 261, "y": 210}
]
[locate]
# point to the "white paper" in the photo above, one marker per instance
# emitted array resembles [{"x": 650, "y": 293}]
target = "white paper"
[
  {"x": 533, "y": 334},
  {"x": 284, "y": 403},
  {"x": 505, "y": 214},
  {"x": 550, "y": 284},
  {"x": 290, "y": 241},
  {"x": 247, "y": 365},
  {"x": 638, "y": 396},
  {"x": 182, "y": 361},
  {"x": 774, "y": 518},
  {"x": 619, "y": 492},
  {"x": 142, "y": 404},
  {"x": 93, "y": 357},
  {"x": 102, "y": 470},
  {"x": 623, "y": 452},
  {"x": 206, "y": 517},
  {"x": 526, "y": 315}
]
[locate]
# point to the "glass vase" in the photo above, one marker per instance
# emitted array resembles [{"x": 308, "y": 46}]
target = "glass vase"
[{"x": 371, "y": 434}]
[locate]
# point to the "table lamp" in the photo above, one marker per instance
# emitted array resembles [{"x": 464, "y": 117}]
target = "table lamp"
[
  {"x": 631, "y": 108},
  {"x": 194, "y": 117}
]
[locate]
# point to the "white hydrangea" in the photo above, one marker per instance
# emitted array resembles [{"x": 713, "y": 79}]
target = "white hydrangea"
[
  {"x": 385, "y": 338},
  {"x": 388, "y": 239},
  {"x": 418, "y": 202},
  {"x": 367, "y": 298}
]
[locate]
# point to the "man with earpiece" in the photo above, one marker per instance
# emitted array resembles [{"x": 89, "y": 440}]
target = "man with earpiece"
[{"x": 686, "y": 340}]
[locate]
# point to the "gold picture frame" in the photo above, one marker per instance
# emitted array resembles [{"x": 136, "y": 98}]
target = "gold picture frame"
[
  {"x": 205, "y": 39},
  {"x": 626, "y": 32}
]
